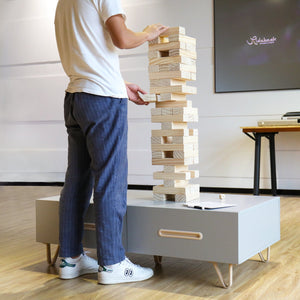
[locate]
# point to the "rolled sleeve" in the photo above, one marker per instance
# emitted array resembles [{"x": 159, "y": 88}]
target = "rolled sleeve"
[{"x": 109, "y": 8}]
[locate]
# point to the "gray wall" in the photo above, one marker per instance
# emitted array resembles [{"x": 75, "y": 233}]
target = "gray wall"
[{"x": 32, "y": 135}]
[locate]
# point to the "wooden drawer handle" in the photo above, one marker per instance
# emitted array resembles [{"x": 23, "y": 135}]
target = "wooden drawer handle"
[{"x": 178, "y": 234}]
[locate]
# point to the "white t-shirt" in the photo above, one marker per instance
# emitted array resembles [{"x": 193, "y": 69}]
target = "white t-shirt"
[{"x": 85, "y": 47}]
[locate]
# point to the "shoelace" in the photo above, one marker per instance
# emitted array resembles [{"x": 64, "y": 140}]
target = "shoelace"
[{"x": 129, "y": 262}]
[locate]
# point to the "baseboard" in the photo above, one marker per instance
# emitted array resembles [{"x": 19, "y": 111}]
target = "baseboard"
[{"x": 225, "y": 190}]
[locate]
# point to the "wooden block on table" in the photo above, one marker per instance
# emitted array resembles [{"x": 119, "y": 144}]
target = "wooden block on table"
[
  {"x": 182, "y": 38},
  {"x": 181, "y": 52},
  {"x": 155, "y": 111},
  {"x": 166, "y": 111},
  {"x": 183, "y": 154},
  {"x": 183, "y": 175},
  {"x": 189, "y": 190},
  {"x": 157, "y": 59},
  {"x": 180, "y": 118},
  {"x": 187, "y": 198},
  {"x": 168, "y": 46},
  {"x": 196, "y": 160},
  {"x": 179, "y": 45},
  {"x": 172, "y": 97},
  {"x": 159, "y": 40},
  {"x": 173, "y": 104},
  {"x": 193, "y": 132},
  {"x": 154, "y": 55},
  {"x": 156, "y": 140},
  {"x": 173, "y": 161},
  {"x": 173, "y": 30},
  {"x": 158, "y": 155},
  {"x": 174, "y": 75},
  {"x": 175, "y": 183},
  {"x": 185, "y": 110},
  {"x": 160, "y": 197},
  {"x": 178, "y": 89},
  {"x": 175, "y": 168},
  {"x": 171, "y": 67},
  {"x": 166, "y": 82},
  {"x": 185, "y": 140},
  {"x": 172, "y": 147},
  {"x": 172, "y": 133},
  {"x": 173, "y": 125},
  {"x": 194, "y": 173}
]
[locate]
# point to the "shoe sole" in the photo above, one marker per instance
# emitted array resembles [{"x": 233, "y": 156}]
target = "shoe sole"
[
  {"x": 72, "y": 276},
  {"x": 117, "y": 281}
]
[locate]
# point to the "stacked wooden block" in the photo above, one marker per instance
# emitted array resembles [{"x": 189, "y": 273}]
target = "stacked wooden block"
[{"x": 172, "y": 62}]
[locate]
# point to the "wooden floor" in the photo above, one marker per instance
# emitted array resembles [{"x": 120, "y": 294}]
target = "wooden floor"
[{"x": 24, "y": 273}]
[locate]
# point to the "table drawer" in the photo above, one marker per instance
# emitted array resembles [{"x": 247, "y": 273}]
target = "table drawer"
[{"x": 193, "y": 234}]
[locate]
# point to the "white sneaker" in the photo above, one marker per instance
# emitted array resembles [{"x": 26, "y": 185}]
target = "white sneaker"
[
  {"x": 71, "y": 268},
  {"x": 122, "y": 272}
]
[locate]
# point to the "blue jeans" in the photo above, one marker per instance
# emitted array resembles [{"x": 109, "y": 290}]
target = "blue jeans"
[{"x": 97, "y": 162}]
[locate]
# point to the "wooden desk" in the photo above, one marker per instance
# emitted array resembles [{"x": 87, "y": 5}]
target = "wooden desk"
[{"x": 256, "y": 133}]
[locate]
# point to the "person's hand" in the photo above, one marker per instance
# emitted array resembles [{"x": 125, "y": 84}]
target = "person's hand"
[
  {"x": 133, "y": 93},
  {"x": 155, "y": 30}
]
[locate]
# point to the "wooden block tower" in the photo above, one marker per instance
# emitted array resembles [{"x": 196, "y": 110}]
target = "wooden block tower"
[{"x": 172, "y": 62}]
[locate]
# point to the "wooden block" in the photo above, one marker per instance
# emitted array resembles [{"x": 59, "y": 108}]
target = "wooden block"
[
  {"x": 173, "y": 30},
  {"x": 185, "y": 110},
  {"x": 194, "y": 173},
  {"x": 181, "y": 52},
  {"x": 193, "y": 132},
  {"x": 187, "y": 198},
  {"x": 156, "y": 140},
  {"x": 168, "y": 46},
  {"x": 189, "y": 190},
  {"x": 159, "y": 40},
  {"x": 172, "y": 147},
  {"x": 154, "y": 55},
  {"x": 166, "y": 82},
  {"x": 175, "y": 118},
  {"x": 173, "y": 75},
  {"x": 172, "y": 97},
  {"x": 148, "y": 97},
  {"x": 157, "y": 59},
  {"x": 178, "y": 89},
  {"x": 175, "y": 183},
  {"x": 175, "y": 169},
  {"x": 193, "y": 155},
  {"x": 182, "y": 38},
  {"x": 173, "y": 133},
  {"x": 173, "y": 104},
  {"x": 155, "y": 111},
  {"x": 185, "y": 139},
  {"x": 166, "y": 111},
  {"x": 173, "y": 125},
  {"x": 172, "y": 176},
  {"x": 158, "y": 155},
  {"x": 172, "y": 67},
  {"x": 173, "y": 161},
  {"x": 196, "y": 160},
  {"x": 159, "y": 197}
]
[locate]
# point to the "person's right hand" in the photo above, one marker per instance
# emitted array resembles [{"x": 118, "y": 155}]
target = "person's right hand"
[{"x": 155, "y": 30}]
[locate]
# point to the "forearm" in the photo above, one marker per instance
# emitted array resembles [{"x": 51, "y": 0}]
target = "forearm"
[{"x": 133, "y": 39}]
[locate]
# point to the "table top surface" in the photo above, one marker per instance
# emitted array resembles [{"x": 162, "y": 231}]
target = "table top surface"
[
  {"x": 271, "y": 128},
  {"x": 143, "y": 198}
]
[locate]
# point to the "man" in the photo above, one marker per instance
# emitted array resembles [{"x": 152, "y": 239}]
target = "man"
[{"x": 95, "y": 111}]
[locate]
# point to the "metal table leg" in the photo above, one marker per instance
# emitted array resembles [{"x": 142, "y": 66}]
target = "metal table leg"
[{"x": 257, "y": 164}]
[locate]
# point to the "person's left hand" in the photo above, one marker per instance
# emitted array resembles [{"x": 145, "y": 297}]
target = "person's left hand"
[{"x": 133, "y": 95}]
